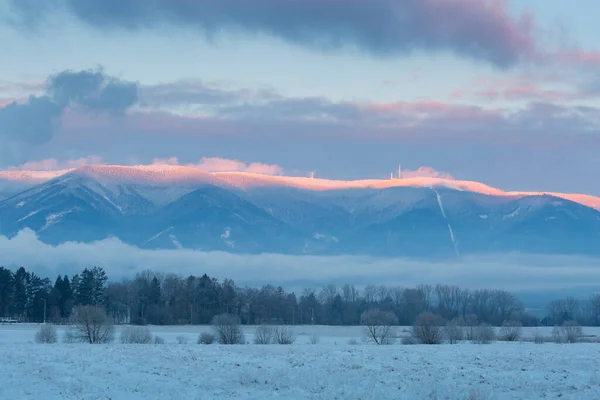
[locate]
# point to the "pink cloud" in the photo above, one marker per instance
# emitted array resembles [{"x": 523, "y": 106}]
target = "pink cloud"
[
  {"x": 217, "y": 164},
  {"x": 425, "y": 172},
  {"x": 52, "y": 164}
]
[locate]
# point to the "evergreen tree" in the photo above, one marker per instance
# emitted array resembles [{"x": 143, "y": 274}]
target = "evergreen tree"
[
  {"x": 67, "y": 298},
  {"x": 155, "y": 292},
  {"x": 20, "y": 294},
  {"x": 7, "y": 290}
]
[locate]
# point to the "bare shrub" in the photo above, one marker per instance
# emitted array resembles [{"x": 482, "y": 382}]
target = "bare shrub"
[
  {"x": 352, "y": 342},
  {"x": 428, "y": 328},
  {"x": 91, "y": 325},
  {"x": 206, "y": 338},
  {"x": 484, "y": 334},
  {"x": 314, "y": 338},
  {"x": 136, "y": 335},
  {"x": 69, "y": 336},
  {"x": 538, "y": 338},
  {"x": 159, "y": 340},
  {"x": 470, "y": 323},
  {"x": 568, "y": 332},
  {"x": 379, "y": 326},
  {"x": 284, "y": 335},
  {"x": 453, "y": 331},
  {"x": 409, "y": 340},
  {"x": 264, "y": 334},
  {"x": 46, "y": 334},
  {"x": 511, "y": 331},
  {"x": 478, "y": 395},
  {"x": 227, "y": 329},
  {"x": 181, "y": 339}
]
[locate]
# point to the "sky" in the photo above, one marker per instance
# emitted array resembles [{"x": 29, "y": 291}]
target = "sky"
[{"x": 504, "y": 92}]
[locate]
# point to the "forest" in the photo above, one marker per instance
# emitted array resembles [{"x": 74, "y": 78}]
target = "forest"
[{"x": 170, "y": 299}]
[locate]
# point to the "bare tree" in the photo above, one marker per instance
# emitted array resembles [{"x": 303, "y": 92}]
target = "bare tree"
[
  {"x": 484, "y": 334},
  {"x": 454, "y": 331},
  {"x": 379, "y": 326},
  {"x": 227, "y": 329},
  {"x": 511, "y": 331},
  {"x": 284, "y": 335},
  {"x": 136, "y": 335},
  {"x": 46, "y": 334},
  {"x": 91, "y": 324},
  {"x": 428, "y": 328},
  {"x": 263, "y": 334}
]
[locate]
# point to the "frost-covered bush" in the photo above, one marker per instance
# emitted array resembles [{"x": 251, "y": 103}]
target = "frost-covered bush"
[
  {"x": 159, "y": 340},
  {"x": 136, "y": 335},
  {"x": 46, "y": 334},
  {"x": 568, "y": 332},
  {"x": 428, "y": 328},
  {"x": 511, "y": 331},
  {"x": 181, "y": 339},
  {"x": 314, "y": 338},
  {"x": 206, "y": 338},
  {"x": 264, "y": 334},
  {"x": 284, "y": 335},
  {"x": 538, "y": 338},
  {"x": 484, "y": 334},
  {"x": 227, "y": 329},
  {"x": 453, "y": 331}
]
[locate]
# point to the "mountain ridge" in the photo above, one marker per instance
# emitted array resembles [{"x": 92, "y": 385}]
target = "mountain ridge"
[{"x": 181, "y": 207}]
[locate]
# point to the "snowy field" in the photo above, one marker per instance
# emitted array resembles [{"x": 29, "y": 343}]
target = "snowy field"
[{"x": 332, "y": 369}]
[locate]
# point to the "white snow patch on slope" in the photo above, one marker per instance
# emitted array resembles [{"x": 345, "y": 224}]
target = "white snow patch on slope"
[
  {"x": 175, "y": 241},
  {"x": 225, "y": 236},
  {"x": 512, "y": 214},
  {"x": 31, "y": 214},
  {"x": 439, "y": 200},
  {"x": 158, "y": 235},
  {"x": 52, "y": 219},
  {"x": 327, "y": 238}
]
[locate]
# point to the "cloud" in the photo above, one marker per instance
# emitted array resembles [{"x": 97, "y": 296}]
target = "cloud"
[
  {"x": 477, "y": 29},
  {"x": 512, "y": 272},
  {"x": 427, "y": 172},
  {"x": 217, "y": 164},
  {"x": 34, "y": 122},
  {"x": 53, "y": 164},
  {"x": 93, "y": 90}
]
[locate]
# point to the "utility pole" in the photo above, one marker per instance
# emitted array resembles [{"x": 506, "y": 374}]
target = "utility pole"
[{"x": 44, "y": 311}]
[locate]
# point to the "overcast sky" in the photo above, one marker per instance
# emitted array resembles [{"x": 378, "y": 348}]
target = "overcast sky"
[{"x": 502, "y": 92}]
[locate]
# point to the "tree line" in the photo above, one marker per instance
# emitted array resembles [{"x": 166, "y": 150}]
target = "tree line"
[{"x": 170, "y": 299}]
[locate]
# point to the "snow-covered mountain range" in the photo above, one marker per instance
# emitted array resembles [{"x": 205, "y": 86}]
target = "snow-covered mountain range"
[{"x": 182, "y": 207}]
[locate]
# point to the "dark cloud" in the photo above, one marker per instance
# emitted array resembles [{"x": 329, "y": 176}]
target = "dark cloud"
[
  {"x": 477, "y": 29},
  {"x": 92, "y": 89},
  {"x": 34, "y": 122}
]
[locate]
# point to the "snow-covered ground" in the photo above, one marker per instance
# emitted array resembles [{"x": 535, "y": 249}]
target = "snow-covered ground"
[{"x": 332, "y": 369}]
